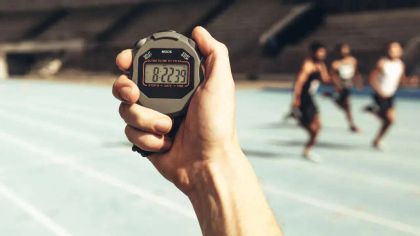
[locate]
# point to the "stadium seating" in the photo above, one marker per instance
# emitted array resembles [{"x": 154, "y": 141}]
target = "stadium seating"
[
  {"x": 13, "y": 26},
  {"x": 83, "y": 23},
  {"x": 366, "y": 32},
  {"x": 111, "y": 25},
  {"x": 161, "y": 16},
  {"x": 41, "y": 5},
  {"x": 241, "y": 25},
  {"x": 143, "y": 21}
]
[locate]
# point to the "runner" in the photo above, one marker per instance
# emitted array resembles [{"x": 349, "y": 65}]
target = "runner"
[
  {"x": 345, "y": 75},
  {"x": 312, "y": 73},
  {"x": 385, "y": 78}
]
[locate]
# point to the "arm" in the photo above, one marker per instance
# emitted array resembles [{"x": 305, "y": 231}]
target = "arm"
[
  {"x": 334, "y": 76},
  {"x": 404, "y": 80},
  {"x": 325, "y": 77},
  {"x": 213, "y": 172},
  {"x": 300, "y": 81},
  {"x": 373, "y": 77},
  {"x": 228, "y": 201},
  {"x": 358, "y": 80}
]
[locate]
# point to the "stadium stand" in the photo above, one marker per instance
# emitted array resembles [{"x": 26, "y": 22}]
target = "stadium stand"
[
  {"x": 83, "y": 23},
  {"x": 143, "y": 20},
  {"x": 14, "y": 26},
  {"x": 250, "y": 29},
  {"x": 241, "y": 25},
  {"x": 334, "y": 6},
  {"x": 161, "y": 16},
  {"x": 366, "y": 32},
  {"x": 38, "y": 5}
]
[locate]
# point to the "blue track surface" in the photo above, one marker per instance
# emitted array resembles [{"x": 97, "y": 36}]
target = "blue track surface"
[{"x": 66, "y": 168}]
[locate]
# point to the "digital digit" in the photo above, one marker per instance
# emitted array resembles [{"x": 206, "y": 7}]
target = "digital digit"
[
  {"x": 155, "y": 74},
  {"x": 178, "y": 73},
  {"x": 184, "y": 76},
  {"x": 162, "y": 79},
  {"x": 169, "y": 76}
]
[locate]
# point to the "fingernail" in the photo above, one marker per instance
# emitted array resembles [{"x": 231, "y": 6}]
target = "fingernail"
[
  {"x": 125, "y": 93},
  {"x": 163, "y": 126}
]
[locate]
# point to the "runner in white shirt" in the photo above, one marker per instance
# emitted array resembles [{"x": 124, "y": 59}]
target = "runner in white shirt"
[
  {"x": 385, "y": 79},
  {"x": 345, "y": 76}
]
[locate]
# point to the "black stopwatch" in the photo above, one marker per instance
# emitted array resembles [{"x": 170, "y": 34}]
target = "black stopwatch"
[{"x": 167, "y": 68}]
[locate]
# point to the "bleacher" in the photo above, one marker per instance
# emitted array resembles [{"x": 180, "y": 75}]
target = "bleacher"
[
  {"x": 143, "y": 20},
  {"x": 42, "y": 5},
  {"x": 161, "y": 16},
  {"x": 14, "y": 26},
  {"x": 106, "y": 27},
  {"x": 84, "y": 23},
  {"x": 240, "y": 27},
  {"x": 366, "y": 32}
]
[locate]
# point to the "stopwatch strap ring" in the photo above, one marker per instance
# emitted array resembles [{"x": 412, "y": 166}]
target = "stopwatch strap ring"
[{"x": 176, "y": 122}]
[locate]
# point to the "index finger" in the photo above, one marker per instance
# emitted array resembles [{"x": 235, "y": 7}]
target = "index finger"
[
  {"x": 125, "y": 90},
  {"x": 124, "y": 59}
]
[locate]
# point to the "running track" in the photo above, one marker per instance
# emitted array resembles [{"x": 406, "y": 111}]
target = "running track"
[{"x": 67, "y": 169}]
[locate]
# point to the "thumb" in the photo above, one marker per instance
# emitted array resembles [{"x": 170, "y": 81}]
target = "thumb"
[{"x": 217, "y": 65}]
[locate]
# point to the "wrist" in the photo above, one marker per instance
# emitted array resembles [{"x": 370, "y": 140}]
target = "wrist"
[
  {"x": 214, "y": 169},
  {"x": 226, "y": 194},
  {"x": 213, "y": 191}
]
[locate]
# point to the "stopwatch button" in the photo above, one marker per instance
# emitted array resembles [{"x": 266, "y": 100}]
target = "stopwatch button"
[
  {"x": 140, "y": 43},
  {"x": 166, "y": 34}
]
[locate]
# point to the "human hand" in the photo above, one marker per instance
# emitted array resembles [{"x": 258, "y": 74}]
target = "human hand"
[
  {"x": 208, "y": 132},
  {"x": 296, "y": 103}
]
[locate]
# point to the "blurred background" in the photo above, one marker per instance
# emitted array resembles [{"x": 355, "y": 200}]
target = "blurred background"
[
  {"x": 264, "y": 37},
  {"x": 67, "y": 169}
]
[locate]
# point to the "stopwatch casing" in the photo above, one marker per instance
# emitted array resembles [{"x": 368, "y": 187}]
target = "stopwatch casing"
[{"x": 168, "y": 52}]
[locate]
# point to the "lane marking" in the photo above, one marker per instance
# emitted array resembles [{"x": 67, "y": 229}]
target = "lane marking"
[
  {"x": 338, "y": 209},
  {"x": 384, "y": 182},
  {"x": 32, "y": 211},
  {"x": 91, "y": 138},
  {"x": 69, "y": 161},
  {"x": 335, "y": 170},
  {"x": 332, "y": 169},
  {"x": 72, "y": 116},
  {"x": 65, "y": 106},
  {"x": 82, "y": 136}
]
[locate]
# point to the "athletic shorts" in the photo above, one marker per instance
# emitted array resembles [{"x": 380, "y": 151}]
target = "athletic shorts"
[
  {"x": 342, "y": 98},
  {"x": 308, "y": 111},
  {"x": 384, "y": 104}
]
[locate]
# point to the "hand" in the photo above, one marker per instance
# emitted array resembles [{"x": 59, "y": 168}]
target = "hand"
[
  {"x": 296, "y": 103},
  {"x": 204, "y": 160},
  {"x": 380, "y": 94},
  {"x": 321, "y": 67},
  {"x": 209, "y": 129}
]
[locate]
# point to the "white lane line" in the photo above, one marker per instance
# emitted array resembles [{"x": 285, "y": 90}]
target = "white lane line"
[
  {"x": 32, "y": 211},
  {"x": 85, "y": 119},
  {"x": 338, "y": 209},
  {"x": 91, "y": 138},
  {"x": 65, "y": 106},
  {"x": 335, "y": 170},
  {"x": 82, "y": 136},
  {"x": 377, "y": 180},
  {"x": 102, "y": 177}
]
